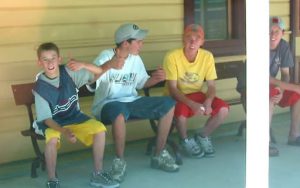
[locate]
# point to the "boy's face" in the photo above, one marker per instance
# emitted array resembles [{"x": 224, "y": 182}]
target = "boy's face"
[
  {"x": 135, "y": 46},
  {"x": 49, "y": 60},
  {"x": 275, "y": 36},
  {"x": 192, "y": 41}
]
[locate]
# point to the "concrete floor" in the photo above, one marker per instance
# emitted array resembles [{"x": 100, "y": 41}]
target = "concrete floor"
[{"x": 225, "y": 170}]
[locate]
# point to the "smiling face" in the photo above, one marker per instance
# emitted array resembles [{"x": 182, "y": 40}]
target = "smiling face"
[
  {"x": 276, "y": 34},
  {"x": 49, "y": 60},
  {"x": 192, "y": 41}
]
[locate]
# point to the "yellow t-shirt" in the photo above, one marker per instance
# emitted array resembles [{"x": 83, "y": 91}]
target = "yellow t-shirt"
[{"x": 189, "y": 75}]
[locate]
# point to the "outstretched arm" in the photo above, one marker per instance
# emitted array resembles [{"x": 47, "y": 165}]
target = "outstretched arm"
[
  {"x": 157, "y": 76},
  {"x": 284, "y": 85},
  {"x": 117, "y": 62}
]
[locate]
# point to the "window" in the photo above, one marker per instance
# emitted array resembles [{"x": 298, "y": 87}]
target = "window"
[
  {"x": 296, "y": 12},
  {"x": 223, "y": 22}
]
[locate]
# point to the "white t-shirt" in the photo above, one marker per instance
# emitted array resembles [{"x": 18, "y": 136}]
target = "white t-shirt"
[{"x": 118, "y": 85}]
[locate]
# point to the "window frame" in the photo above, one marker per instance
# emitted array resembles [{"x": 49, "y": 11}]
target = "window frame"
[{"x": 235, "y": 46}]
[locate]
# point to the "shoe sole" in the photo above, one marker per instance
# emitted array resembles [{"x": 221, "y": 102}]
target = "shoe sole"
[
  {"x": 155, "y": 165},
  {"x": 93, "y": 184}
]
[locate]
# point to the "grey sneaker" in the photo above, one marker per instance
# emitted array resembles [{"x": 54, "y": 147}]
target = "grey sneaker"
[
  {"x": 205, "y": 143},
  {"x": 103, "y": 179},
  {"x": 118, "y": 169},
  {"x": 273, "y": 151},
  {"x": 164, "y": 161},
  {"x": 191, "y": 148},
  {"x": 53, "y": 183}
]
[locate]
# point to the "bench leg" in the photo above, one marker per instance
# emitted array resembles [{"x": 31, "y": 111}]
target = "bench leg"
[
  {"x": 39, "y": 161},
  {"x": 241, "y": 128},
  {"x": 150, "y": 146}
]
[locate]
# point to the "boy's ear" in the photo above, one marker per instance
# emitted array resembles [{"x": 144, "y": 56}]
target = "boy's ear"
[{"x": 38, "y": 62}]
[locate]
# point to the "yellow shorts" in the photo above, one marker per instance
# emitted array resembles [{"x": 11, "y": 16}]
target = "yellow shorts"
[{"x": 83, "y": 131}]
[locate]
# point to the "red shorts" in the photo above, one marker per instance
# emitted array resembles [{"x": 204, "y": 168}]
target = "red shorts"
[
  {"x": 182, "y": 109},
  {"x": 289, "y": 98}
]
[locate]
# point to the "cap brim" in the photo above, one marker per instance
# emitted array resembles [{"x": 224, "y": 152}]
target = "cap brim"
[{"x": 141, "y": 34}]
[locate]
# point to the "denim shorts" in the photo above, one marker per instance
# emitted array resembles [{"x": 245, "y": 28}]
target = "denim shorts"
[{"x": 142, "y": 108}]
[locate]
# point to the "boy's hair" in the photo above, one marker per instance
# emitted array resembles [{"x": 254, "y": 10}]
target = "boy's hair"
[
  {"x": 128, "y": 40},
  {"x": 47, "y": 46}
]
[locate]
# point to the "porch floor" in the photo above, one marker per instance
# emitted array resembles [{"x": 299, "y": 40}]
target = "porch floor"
[{"x": 225, "y": 170}]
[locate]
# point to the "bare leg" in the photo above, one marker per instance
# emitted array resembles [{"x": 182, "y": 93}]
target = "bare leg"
[
  {"x": 295, "y": 120},
  {"x": 51, "y": 157},
  {"x": 164, "y": 125},
  {"x": 98, "y": 150},
  {"x": 214, "y": 122},
  {"x": 181, "y": 125},
  {"x": 119, "y": 134}
]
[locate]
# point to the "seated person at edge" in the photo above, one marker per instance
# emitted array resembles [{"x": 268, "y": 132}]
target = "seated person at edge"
[
  {"x": 58, "y": 113},
  {"x": 186, "y": 70},
  {"x": 282, "y": 93},
  {"x": 116, "y": 99}
]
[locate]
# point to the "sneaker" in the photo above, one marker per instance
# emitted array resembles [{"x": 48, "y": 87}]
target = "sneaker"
[
  {"x": 103, "y": 179},
  {"x": 191, "y": 148},
  {"x": 164, "y": 161},
  {"x": 54, "y": 183},
  {"x": 294, "y": 141},
  {"x": 118, "y": 169},
  {"x": 205, "y": 143},
  {"x": 273, "y": 151}
]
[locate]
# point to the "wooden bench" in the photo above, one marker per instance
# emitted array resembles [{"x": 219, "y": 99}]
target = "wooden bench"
[{"x": 23, "y": 96}]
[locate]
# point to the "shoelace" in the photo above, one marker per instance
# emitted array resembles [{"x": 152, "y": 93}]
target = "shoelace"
[
  {"x": 207, "y": 143},
  {"x": 106, "y": 176},
  {"x": 166, "y": 157},
  {"x": 192, "y": 144},
  {"x": 55, "y": 182},
  {"x": 119, "y": 165}
]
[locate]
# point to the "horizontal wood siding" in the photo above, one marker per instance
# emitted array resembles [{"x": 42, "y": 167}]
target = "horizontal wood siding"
[{"x": 81, "y": 29}]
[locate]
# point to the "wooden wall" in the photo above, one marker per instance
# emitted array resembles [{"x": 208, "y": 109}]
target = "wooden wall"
[{"x": 82, "y": 29}]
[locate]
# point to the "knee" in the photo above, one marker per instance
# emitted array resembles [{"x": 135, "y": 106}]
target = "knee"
[
  {"x": 224, "y": 111},
  {"x": 52, "y": 142},
  {"x": 120, "y": 118}
]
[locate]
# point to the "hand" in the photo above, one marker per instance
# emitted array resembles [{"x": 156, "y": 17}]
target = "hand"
[
  {"x": 207, "y": 107},
  {"x": 276, "y": 98},
  {"x": 70, "y": 135},
  {"x": 158, "y": 75},
  {"x": 198, "y": 108},
  {"x": 75, "y": 65}
]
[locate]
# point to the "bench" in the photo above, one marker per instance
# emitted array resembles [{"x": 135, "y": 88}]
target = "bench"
[{"x": 23, "y": 96}]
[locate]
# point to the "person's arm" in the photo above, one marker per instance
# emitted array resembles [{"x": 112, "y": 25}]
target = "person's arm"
[
  {"x": 210, "y": 94},
  {"x": 66, "y": 132},
  {"x": 116, "y": 62},
  {"x": 285, "y": 86},
  {"x": 156, "y": 77},
  {"x": 285, "y": 74},
  {"x": 179, "y": 96}
]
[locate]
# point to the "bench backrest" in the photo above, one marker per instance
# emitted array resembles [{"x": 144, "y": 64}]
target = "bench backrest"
[
  {"x": 23, "y": 92},
  {"x": 224, "y": 71}
]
